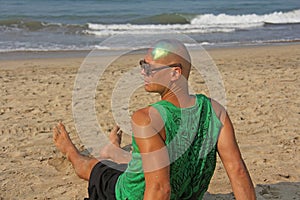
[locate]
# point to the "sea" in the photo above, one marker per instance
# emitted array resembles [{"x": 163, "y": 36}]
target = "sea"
[{"x": 70, "y": 25}]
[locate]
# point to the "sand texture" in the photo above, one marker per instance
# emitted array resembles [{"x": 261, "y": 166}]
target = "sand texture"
[{"x": 262, "y": 92}]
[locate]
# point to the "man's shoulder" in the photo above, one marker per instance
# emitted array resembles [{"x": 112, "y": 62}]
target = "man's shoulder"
[
  {"x": 218, "y": 109},
  {"x": 141, "y": 114},
  {"x": 147, "y": 117}
]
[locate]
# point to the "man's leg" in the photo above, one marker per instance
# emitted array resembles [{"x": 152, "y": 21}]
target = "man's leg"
[{"x": 83, "y": 165}]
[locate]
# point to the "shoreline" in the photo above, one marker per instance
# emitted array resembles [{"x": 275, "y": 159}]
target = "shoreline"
[{"x": 27, "y": 55}]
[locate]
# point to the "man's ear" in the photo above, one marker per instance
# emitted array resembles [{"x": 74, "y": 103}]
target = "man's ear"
[{"x": 176, "y": 73}]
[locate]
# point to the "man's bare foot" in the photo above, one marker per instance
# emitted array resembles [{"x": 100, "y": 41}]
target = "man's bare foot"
[
  {"x": 83, "y": 165},
  {"x": 62, "y": 140},
  {"x": 113, "y": 150},
  {"x": 115, "y": 136}
]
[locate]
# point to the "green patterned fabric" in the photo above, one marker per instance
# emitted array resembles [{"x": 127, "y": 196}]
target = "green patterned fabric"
[{"x": 191, "y": 137}]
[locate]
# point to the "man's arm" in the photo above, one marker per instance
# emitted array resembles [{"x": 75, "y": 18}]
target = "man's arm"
[
  {"x": 232, "y": 160},
  {"x": 154, "y": 154}
]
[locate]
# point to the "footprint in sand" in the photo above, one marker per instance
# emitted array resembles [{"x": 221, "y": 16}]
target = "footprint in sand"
[
  {"x": 268, "y": 192},
  {"x": 60, "y": 164}
]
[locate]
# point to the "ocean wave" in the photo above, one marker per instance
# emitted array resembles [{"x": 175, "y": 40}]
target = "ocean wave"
[
  {"x": 162, "y": 23},
  {"x": 165, "y": 18},
  {"x": 9, "y": 46},
  {"x": 22, "y": 34},
  {"x": 206, "y": 23},
  {"x": 33, "y": 26},
  {"x": 247, "y": 21},
  {"x": 112, "y": 29}
]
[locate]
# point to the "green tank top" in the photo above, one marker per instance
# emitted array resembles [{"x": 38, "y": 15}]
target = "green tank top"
[{"x": 191, "y": 138}]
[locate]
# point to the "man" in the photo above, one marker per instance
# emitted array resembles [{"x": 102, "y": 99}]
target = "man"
[{"x": 174, "y": 140}]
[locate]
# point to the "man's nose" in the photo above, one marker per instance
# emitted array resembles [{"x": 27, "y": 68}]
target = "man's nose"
[{"x": 143, "y": 72}]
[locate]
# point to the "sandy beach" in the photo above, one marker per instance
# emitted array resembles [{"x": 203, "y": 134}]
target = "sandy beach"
[{"x": 262, "y": 92}]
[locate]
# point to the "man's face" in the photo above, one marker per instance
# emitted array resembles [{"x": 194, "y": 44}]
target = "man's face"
[{"x": 155, "y": 72}]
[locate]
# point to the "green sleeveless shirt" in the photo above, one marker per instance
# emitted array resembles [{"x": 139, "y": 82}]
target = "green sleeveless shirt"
[{"x": 191, "y": 138}]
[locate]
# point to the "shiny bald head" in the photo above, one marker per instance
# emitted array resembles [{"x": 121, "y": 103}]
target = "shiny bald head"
[{"x": 169, "y": 52}]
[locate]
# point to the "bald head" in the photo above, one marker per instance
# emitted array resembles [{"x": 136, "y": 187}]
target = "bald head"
[{"x": 170, "y": 52}]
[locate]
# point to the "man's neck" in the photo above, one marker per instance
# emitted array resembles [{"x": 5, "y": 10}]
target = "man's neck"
[{"x": 178, "y": 97}]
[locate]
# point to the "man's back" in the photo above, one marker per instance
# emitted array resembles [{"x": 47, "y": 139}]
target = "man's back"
[{"x": 191, "y": 137}]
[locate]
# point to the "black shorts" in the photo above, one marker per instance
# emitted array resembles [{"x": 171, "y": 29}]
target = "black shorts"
[{"x": 103, "y": 180}]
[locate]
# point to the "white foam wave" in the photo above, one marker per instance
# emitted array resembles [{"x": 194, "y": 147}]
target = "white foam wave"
[
  {"x": 112, "y": 29},
  {"x": 206, "y": 23},
  {"x": 250, "y": 20},
  {"x": 41, "y": 46}
]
